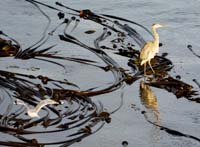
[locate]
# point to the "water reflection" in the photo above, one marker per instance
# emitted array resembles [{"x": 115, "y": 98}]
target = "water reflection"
[{"x": 149, "y": 101}]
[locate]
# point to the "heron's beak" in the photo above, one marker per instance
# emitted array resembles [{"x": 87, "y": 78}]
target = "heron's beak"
[{"x": 164, "y": 25}]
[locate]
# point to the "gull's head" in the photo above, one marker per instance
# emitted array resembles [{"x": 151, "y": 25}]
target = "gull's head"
[
  {"x": 15, "y": 102},
  {"x": 18, "y": 102},
  {"x": 61, "y": 102},
  {"x": 156, "y": 25}
]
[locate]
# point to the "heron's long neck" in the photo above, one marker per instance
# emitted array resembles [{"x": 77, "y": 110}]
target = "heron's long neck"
[{"x": 156, "y": 36}]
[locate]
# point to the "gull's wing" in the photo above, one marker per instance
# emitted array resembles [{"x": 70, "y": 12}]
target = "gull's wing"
[{"x": 44, "y": 103}]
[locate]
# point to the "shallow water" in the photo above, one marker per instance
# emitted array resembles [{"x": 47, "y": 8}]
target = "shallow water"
[{"x": 24, "y": 23}]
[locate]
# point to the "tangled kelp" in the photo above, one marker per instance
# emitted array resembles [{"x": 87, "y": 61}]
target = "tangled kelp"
[
  {"x": 79, "y": 116},
  {"x": 78, "y": 113}
]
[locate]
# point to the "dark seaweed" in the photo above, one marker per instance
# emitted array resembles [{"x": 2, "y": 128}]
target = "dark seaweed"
[{"x": 80, "y": 116}]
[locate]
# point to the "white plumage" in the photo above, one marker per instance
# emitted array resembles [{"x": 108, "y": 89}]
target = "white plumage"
[
  {"x": 34, "y": 111},
  {"x": 150, "y": 49}
]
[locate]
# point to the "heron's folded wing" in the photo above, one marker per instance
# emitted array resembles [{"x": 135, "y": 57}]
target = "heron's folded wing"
[{"x": 146, "y": 51}]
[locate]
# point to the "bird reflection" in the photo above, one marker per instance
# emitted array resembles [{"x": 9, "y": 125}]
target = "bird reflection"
[
  {"x": 149, "y": 100},
  {"x": 34, "y": 111}
]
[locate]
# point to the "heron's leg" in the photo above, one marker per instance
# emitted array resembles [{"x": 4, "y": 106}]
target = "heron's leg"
[
  {"x": 144, "y": 69},
  {"x": 151, "y": 66}
]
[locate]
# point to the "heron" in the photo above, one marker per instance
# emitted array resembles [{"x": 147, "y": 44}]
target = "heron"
[
  {"x": 34, "y": 111},
  {"x": 150, "y": 49}
]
